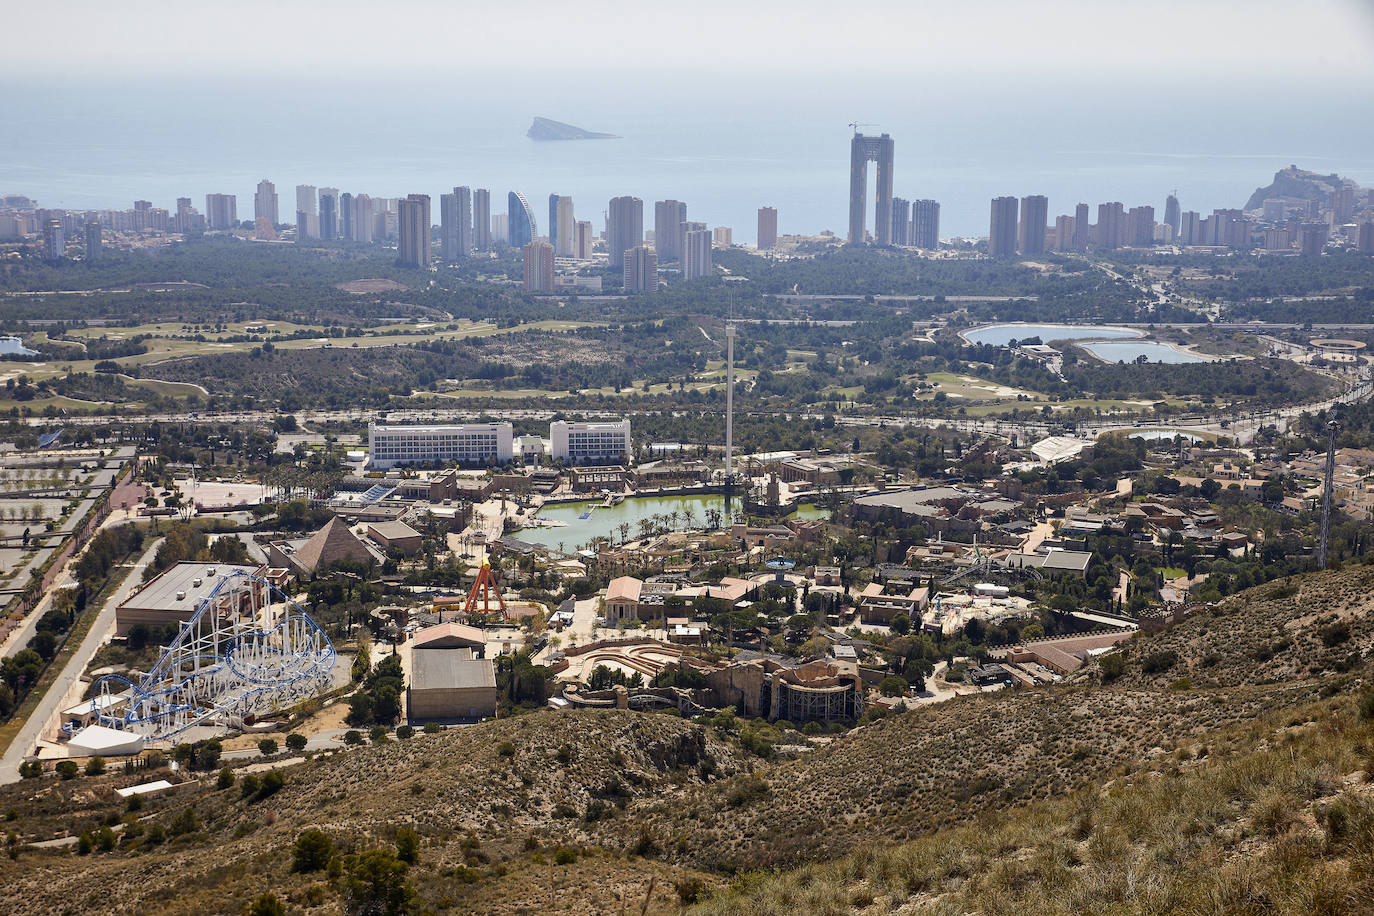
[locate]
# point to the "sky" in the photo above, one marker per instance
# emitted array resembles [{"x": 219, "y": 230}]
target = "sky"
[{"x": 973, "y": 40}]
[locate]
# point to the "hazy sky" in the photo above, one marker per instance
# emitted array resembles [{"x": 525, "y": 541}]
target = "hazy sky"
[{"x": 1094, "y": 40}]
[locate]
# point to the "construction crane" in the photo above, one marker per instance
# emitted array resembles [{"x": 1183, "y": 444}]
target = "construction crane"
[
  {"x": 1331, "y": 429},
  {"x": 857, "y": 124}
]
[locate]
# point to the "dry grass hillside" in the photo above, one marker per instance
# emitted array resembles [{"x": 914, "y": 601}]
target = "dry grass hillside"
[
  {"x": 1230, "y": 776},
  {"x": 1290, "y": 630}
]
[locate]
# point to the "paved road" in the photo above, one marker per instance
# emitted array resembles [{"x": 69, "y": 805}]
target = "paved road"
[{"x": 55, "y": 700}]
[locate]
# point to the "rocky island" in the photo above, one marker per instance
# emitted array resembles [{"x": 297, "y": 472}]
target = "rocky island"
[{"x": 547, "y": 129}]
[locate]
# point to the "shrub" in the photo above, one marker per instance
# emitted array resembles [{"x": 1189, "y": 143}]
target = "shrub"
[
  {"x": 312, "y": 851},
  {"x": 1112, "y": 666},
  {"x": 405, "y": 732},
  {"x": 408, "y": 846},
  {"x": 1156, "y": 662},
  {"x": 376, "y": 883},
  {"x": 353, "y": 737},
  {"x": 84, "y": 843},
  {"x": 267, "y": 747},
  {"x": 505, "y": 749},
  {"x": 67, "y": 769},
  {"x": 893, "y": 686},
  {"x": 1367, "y": 706},
  {"x": 295, "y": 742},
  {"x": 689, "y": 890},
  {"x": 272, "y": 781},
  {"x": 105, "y": 839},
  {"x": 30, "y": 769},
  {"x": 226, "y": 779},
  {"x": 431, "y": 728},
  {"x": 95, "y": 766},
  {"x": 378, "y": 734},
  {"x": 185, "y": 822},
  {"x": 266, "y": 904},
  {"x": 466, "y": 875},
  {"x": 1335, "y": 634},
  {"x": 249, "y": 785},
  {"x": 564, "y": 857},
  {"x": 747, "y": 789}
]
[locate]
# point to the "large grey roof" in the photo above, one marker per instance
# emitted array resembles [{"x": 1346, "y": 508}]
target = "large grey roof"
[{"x": 443, "y": 669}]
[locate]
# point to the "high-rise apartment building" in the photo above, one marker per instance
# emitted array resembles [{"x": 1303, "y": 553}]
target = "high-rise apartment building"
[
  {"x": 641, "y": 270},
  {"x": 54, "y": 241},
  {"x": 1002, "y": 228},
  {"x": 346, "y": 216},
  {"x": 521, "y": 226},
  {"x": 1366, "y": 238},
  {"x": 901, "y": 221},
  {"x": 1172, "y": 216},
  {"x": 925, "y": 224},
  {"x": 92, "y": 232},
  {"x": 624, "y": 228},
  {"x": 553, "y": 221},
  {"x": 538, "y": 266},
  {"x": 1190, "y": 228},
  {"x": 723, "y": 237},
  {"x": 455, "y": 224},
  {"x": 413, "y": 227},
  {"x": 1141, "y": 223},
  {"x": 1111, "y": 226},
  {"x": 669, "y": 215},
  {"x": 188, "y": 219},
  {"x": 1342, "y": 204},
  {"x": 1063, "y": 233},
  {"x": 362, "y": 219},
  {"x": 221, "y": 211},
  {"x": 481, "y": 219},
  {"x": 862, "y": 150},
  {"x": 307, "y": 217},
  {"x": 329, "y": 213},
  {"x": 565, "y": 221},
  {"x": 768, "y": 228},
  {"x": 265, "y": 202},
  {"x": 1082, "y": 231},
  {"x": 696, "y": 253},
  {"x": 586, "y": 240},
  {"x": 1035, "y": 215},
  {"x": 1313, "y": 239}
]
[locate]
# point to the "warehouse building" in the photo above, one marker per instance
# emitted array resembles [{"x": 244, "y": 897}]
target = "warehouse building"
[
  {"x": 450, "y": 680},
  {"x": 172, "y": 598}
]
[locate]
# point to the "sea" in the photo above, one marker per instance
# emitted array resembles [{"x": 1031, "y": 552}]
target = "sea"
[{"x": 725, "y": 150}]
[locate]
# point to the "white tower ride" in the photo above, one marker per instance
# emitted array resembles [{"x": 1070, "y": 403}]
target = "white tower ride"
[{"x": 729, "y": 401}]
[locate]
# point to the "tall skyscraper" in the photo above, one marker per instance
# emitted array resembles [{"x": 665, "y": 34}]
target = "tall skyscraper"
[
  {"x": 696, "y": 253},
  {"x": 538, "y": 266},
  {"x": 1063, "y": 233},
  {"x": 92, "y": 230},
  {"x": 221, "y": 211},
  {"x": 362, "y": 219},
  {"x": 412, "y": 224},
  {"x": 925, "y": 224},
  {"x": 1366, "y": 238},
  {"x": 455, "y": 224},
  {"x": 586, "y": 240},
  {"x": 1342, "y": 204},
  {"x": 329, "y": 213},
  {"x": 1111, "y": 226},
  {"x": 1141, "y": 221},
  {"x": 669, "y": 215},
  {"x": 1190, "y": 228},
  {"x": 625, "y": 228},
  {"x": 1002, "y": 230},
  {"x": 861, "y": 150},
  {"x": 1081, "y": 228},
  {"x": 521, "y": 226},
  {"x": 1313, "y": 239},
  {"x": 901, "y": 221},
  {"x": 641, "y": 269},
  {"x": 768, "y": 228},
  {"x": 1035, "y": 213},
  {"x": 309, "y": 226},
  {"x": 1172, "y": 215},
  {"x": 566, "y": 222},
  {"x": 553, "y": 222},
  {"x": 54, "y": 241},
  {"x": 481, "y": 219},
  {"x": 265, "y": 202},
  {"x": 346, "y": 216},
  {"x": 723, "y": 237}
]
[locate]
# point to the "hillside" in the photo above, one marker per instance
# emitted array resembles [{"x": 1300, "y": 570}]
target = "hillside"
[
  {"x": 1297, "y": 183},
  {"x": 1251, "y": 773}
]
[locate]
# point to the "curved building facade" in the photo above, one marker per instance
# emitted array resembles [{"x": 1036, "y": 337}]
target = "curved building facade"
[{"x": 521, "y": 227}]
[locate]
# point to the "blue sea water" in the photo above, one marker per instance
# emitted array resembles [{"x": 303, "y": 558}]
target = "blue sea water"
[{"x": 726, "y": 150}]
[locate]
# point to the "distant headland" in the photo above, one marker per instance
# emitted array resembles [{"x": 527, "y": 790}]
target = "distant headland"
[{"x": 546, "y": 129}]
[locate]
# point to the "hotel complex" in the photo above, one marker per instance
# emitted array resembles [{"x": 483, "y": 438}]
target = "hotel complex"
[
  {"x": 469, "y": 443},
  {"x": 481, "y": 443}
]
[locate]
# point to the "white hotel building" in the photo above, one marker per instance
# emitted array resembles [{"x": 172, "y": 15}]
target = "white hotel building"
[
  {"x": 470, "y": 443},
  {"x": 590, "y": 443}
]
